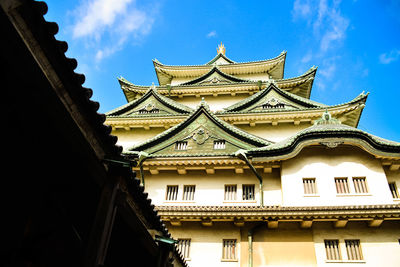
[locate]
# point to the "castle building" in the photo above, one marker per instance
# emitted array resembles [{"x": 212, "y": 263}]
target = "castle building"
[{"x": 246, "y": 170}]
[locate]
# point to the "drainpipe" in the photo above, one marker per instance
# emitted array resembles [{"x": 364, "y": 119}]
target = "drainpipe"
[
  {"x": 241, "y": 154},
  {"x": 142, "y": 157},
  {"x": 250, "y": 234}
]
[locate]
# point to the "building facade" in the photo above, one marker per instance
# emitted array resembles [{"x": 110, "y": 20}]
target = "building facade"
[{"x": 246, "y": 170}]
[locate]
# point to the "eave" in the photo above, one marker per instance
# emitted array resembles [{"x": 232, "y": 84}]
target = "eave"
[
  {"x": 274, "y": 67},
  {"x": 300, "y": 86},
  {"x": 373, "y": 215},
  {"x": 347, "y": 113}
]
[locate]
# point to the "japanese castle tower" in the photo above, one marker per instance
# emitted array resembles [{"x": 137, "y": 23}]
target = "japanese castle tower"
[{"x": 246, "y": 170}]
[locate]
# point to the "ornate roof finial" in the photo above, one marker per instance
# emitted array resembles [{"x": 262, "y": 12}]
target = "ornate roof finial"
[
  {"x": 326, "y": 118},
  {"x": 221, "y": 49}
]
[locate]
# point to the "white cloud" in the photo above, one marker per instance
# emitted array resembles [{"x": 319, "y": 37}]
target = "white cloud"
[
  {"x": 390, "y": 57},
  {"x": 107, "y": 25},
  {"x": 212, "y": 34},
  {"x": 98, "y": 14},
  {"x": 329, "y": 26},
  {"x": 301, "y": 9}
]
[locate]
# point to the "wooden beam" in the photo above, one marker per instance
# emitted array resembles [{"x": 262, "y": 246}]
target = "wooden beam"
[
  {"x": 273, "y": 224},
  {"x": 176, "y": 222},
  {"x": 210, "y": 170},
  {"x": 340, "y": 223},
  {"x": 239, "y": 222},
  {"x": 153, "y": 170},
  {"x": 394, "y": 167},
  {"x": 306, "y": 223},
  {"x": 239, "y": 170},
  {"x": 206, "y": 222},
  {"x": 375, "y": 222},
  {"x": 181, "y": 170}
]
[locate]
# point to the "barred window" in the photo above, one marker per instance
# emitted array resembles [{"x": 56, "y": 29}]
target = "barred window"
[
  {"x": 219, "y": 144},
  {"x": 393, "y": 190},
  {"x": 332, "y": 250},
  {"x": 145, "y": 111},
  {"x": 181, "y": 145},
  {"x": 229, "y": 249},
  {"x": 309, "y": 186},
  {"x": 342, "y": 185},
  {"x": 248, "y": 192},
  {"x": 184, "y": 247},
  {"x": 353, "y": 250},
  {"x": 188, "y": 192},
  {"x": 360, "y": 185},
  {"x": 230, "y": 192},
  {"x": 172, "y": 192}
]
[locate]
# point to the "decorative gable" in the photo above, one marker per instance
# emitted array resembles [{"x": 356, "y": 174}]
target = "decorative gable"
[
  {"x": 272, "y": 98},
  {"x": 202, "y": 133},
  {"x": 150, "y": 103},
  {"x": 215, "y": 76}
]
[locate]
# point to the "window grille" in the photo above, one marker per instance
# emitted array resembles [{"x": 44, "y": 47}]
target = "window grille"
[
  {"x": 360, "y": 185},
  {"x": 342, "y": 186},
  {"x": 181, "y": 145},
  {"x": 309, "y": 186},
  {"x": 230, "y": 192},
  {"x": 172, "y": 192},
  {"x": 184, "y": 247},
  {"x": 269, "y": 106},
  {"x": 332, "y": 250},
  {"x": 393, "y": 190},
  {"x": 248, "y": 192},
  {"x": 353, "y": 250},
  {"x": 229, "y": 249},
  {"x": 219, "y": 144},
  {"x": 145, "y": 111},
  {"x": 188, "y": 192}
]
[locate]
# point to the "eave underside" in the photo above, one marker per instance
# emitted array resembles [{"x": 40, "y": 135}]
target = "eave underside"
[{"x": 374, "y": 215}]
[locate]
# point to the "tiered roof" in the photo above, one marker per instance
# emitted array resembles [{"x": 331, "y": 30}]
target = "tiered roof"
[
  {"x": 273, "y": 67},
  {"x": 274, "y": 100}
]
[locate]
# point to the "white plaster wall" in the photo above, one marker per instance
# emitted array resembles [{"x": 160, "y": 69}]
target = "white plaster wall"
[
  {"x": 206, "y": 242},
  {"x": 274, "y": 133},
  {"x": 379, "y": 246},
  {"x": 127, "y": 139},
  {"x": 216, "y": 103},
  {"x": 324, "y": 165},
  {"x": 210, "y": 187}
]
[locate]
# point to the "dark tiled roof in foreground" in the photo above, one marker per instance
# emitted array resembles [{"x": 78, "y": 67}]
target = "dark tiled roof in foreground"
[{"x": 44, "y": 34}]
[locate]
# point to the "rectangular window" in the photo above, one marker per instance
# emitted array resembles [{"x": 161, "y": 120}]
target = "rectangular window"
[
  {"x": 172, "y": 192},
  {"x": 230, "y": 192},
  {"x": 219, "y": 144},
  {"x": 184, "y": 247},
  {"x": 393, "y": 190},
  {"x": 342, "y": 185},
  {"x": 188, "y": 192},
  {"x": 332, "y": 250},
  {"x": 181, "y": 145},
  {"x": 248, "y": 192},
  {"x": 309, "y": 186},
  {"x": 353, "y": 250},
  {"x": 229, "y": 249},
  {"x": 360, "y": 185}
]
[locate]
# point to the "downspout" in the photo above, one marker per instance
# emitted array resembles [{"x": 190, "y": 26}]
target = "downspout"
[
  {"x": 142, "y": 157},
  {"x": 250, "y": 235},
  {"x": 241, "y": 154}
]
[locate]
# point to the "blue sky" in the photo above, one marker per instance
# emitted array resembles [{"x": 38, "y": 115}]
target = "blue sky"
[{"x": 355, "y": 44}]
